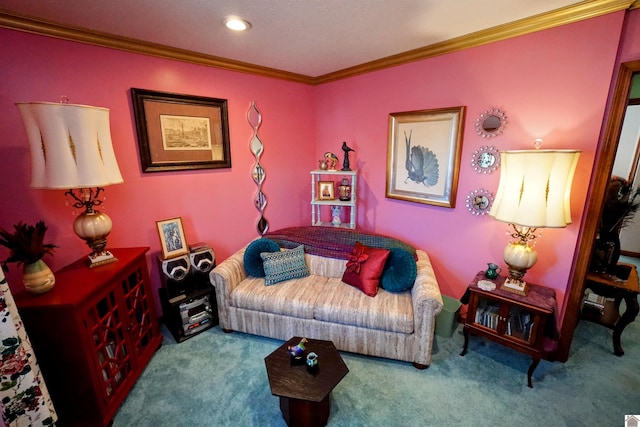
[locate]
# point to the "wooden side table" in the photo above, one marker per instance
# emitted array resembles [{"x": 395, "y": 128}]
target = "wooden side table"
[
  {"x": 515, "y": 321},
  {"x": 609, "y": 314},
  {"x": 305, "y": 397}
]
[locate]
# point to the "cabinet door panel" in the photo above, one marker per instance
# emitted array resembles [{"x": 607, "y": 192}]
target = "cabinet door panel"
[
  {"x": 138, "y": 311},
  {"x": 521, "y": 323},
  {"x": 487, "y": 313},
  {"x": 103, "y": 319}
]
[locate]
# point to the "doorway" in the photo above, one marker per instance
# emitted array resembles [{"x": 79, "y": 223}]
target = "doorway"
[{"x": 603, "y": 167}]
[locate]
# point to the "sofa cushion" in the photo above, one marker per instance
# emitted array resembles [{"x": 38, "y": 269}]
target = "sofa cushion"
[
  {"x": 284, "y": 265},
  {"x": 364, "y": 268},
  {"x": 253, "y": 261},
  {"x": 344, "y": 304},
  {"x": 400, "y": 271},
  {"x": 296, "y": 298}
]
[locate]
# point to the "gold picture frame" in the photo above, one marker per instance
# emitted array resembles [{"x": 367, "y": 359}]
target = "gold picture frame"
[
  {"x": 423, "y": 155},
  {"x": 172, "y": 239},
  {"x": 326, "y": 190}
]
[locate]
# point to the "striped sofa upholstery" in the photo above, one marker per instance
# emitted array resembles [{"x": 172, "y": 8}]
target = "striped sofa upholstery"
[{"x": 391, "y": 325}]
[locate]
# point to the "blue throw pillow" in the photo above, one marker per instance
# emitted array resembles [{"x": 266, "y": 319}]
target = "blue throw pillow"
[
  {"x": 399, "y": 272},
  {"x": 253, "y": 261},
  {"x": 285, "y": 265}
]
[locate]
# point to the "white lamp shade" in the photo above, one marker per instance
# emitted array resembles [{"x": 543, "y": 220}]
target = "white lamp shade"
[
  {"x": 70, "y": 145},
  {"x": 535, "y": 187}
]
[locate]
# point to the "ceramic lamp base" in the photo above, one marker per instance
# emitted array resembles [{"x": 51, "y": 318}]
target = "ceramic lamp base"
[{"x": 515, "y": 286}]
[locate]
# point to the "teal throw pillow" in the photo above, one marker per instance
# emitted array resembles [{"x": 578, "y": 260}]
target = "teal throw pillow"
[
  {"x": 253, "y": 261},
  {"x": 399, "y": 272},
  {"x": 284, "y": 265}
]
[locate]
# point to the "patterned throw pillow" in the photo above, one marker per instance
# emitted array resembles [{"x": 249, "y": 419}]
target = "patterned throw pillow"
[
  {"x": 284, "y": 265},
  {"x": 364, "y": 268},
  {"x": 252, "y": 260}
]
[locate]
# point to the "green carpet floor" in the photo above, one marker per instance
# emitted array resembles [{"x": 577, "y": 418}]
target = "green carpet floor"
[{"x": 218, "y": 379}]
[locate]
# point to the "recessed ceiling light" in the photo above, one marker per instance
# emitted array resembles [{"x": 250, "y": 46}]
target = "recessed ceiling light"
[{"x": 236, "y": 24}]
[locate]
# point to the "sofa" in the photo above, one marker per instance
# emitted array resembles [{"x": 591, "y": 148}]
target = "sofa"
[{"x": 392, "y": 324}]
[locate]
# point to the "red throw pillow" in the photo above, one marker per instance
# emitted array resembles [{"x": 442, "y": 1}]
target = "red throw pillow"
[{"x": 364, "y": 268}]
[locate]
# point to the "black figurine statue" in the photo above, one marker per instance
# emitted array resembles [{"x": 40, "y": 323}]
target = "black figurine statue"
[{"x": 346, "y": 149}]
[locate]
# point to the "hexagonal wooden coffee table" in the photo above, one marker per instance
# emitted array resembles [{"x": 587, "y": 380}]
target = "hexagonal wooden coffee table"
[{"x": 305, "y": 397}]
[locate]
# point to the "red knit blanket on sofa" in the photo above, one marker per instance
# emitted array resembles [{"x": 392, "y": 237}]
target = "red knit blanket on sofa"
[{"x": 333, "y": 242}]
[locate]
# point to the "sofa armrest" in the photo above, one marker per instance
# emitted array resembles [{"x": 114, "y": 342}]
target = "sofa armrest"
[
  {"x": 225, "y": 277},
  {"x": 425, "y": 295}
]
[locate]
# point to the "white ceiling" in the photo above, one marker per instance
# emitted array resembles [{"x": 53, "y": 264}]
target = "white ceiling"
[{"x": 308, "y": 37}]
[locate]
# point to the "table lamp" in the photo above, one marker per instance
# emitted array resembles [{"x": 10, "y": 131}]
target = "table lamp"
[
  {"x": 71, "y": 149},
  {"x": 534, "y": 192}
]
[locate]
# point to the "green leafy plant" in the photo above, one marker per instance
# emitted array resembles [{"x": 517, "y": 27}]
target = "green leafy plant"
[{"x": 26, "y": 243}]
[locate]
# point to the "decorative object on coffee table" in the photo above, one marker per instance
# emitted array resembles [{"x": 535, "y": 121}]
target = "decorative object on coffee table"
[
  {"x": 305, "y": 397},
  {"x": 298, "y": 349}
]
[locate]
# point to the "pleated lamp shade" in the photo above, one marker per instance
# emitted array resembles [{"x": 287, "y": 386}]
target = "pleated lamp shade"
[
  {"x": 70, "y": 145},
  {"x": 535, "y": 187}
]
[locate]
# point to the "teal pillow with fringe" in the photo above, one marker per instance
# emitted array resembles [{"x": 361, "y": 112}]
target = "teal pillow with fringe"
[
  {"x": 399, "y": 272},
  {"x": 284, "y": 265},
  {"x": 252, "y": 261}
]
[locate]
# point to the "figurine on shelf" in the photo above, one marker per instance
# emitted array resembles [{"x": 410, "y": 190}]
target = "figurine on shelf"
[
  {"x": 332, "y": 159},
  {"x": 346, "y": 149},
  {"x": 297, "y": 350},
  {"x": 336, "y": 212}
]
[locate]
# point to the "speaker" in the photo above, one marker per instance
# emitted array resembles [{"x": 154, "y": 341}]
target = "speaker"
[
  {"x": 176, "y": 268},
  {"x": 202, "y": 258}
]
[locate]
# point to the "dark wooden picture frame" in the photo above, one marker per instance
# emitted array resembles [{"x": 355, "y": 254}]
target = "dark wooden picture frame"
[{"x": 181, "y": 132}]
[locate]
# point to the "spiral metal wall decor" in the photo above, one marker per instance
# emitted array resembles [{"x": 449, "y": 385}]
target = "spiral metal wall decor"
[{"x": 260, "y": 200}]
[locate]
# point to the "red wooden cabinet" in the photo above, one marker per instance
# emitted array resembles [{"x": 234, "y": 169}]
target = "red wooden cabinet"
[{"x": 93, "y": 335}]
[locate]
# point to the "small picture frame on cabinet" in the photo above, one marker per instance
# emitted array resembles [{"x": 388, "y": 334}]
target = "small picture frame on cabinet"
[
  {"x": 326, "y": 190},
  {"x": 172, "y": 238}
]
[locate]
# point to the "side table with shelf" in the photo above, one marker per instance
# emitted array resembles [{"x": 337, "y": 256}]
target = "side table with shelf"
[
  {"x": 606, "y": 309},
  {"x": 515, "y": 321},
  {"x": 317, "y": 202},
  {"x": 93, "y": 335}
]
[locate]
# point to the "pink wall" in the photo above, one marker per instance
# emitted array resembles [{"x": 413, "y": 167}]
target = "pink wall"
[
  {"x": 630, "y": 40},
  {"x": 216, "y": 205},
  {"x": 552, "y": 85}
]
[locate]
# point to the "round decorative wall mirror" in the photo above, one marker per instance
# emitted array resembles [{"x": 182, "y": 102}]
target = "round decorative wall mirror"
[
  {"x": 491, "y": 123},
  {"x": 485, "y": 159}
]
